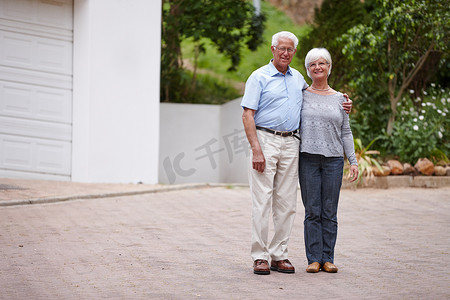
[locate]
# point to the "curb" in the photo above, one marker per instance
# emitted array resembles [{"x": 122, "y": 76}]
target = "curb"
[
  {"x": 382, "y": 182},
  {"x": 107, "y": 195}
]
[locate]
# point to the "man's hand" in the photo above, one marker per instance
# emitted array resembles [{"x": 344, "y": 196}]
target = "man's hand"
[
  {"x": 259, "y": 161},
  {"x": 248, "y": 119},
  {"x": 347, "y": 105}
]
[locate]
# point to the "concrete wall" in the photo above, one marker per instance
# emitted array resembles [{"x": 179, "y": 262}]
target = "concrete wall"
[
  {"x": 202, "y": 143},
  {"x": 234, "y": 164},
  {"x": 116, "y": 91}
]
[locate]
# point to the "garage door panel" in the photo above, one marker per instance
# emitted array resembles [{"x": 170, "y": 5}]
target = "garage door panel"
[
  {"x": 35, "y": 102},
  {"x": 16, "y": 100},
  {"x": 32, "y": 128},
  {"x": 35, "y": 53},
  {"x": 36, "y": 41},
  {"x": 36, "y": 30},
  {"x": 53, "y": 157},
  {"x": 54, "y": 105},
  {"x": 18, "y": 9},
  {"x": 56, "y": 13},
  {"x": 35, "y": 78},
  {"x": 16, "y": 50},
  {"x": 35, "y": 155},
  {"x": 16, "y": 154},
  {"x": 54, "y": 56}
]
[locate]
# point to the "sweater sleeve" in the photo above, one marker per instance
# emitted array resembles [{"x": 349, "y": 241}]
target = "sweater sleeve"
[{"x": 347, "y": 140}]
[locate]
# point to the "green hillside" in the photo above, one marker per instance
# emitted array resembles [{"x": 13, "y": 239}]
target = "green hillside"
[{"x": 215, "y": 65}]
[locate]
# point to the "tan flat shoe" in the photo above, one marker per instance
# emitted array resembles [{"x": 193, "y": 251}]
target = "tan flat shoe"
[
  {"x": 329, "y": 267},
  {"x": 313, "y": 268}
]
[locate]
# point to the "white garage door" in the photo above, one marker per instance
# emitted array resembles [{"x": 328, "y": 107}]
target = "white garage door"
[{"x": 36, "y": 38}]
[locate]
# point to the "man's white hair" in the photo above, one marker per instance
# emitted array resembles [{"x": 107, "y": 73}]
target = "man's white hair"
[
  {"x": 284, "y": 34},
  {"x": 315, "y": 54}
]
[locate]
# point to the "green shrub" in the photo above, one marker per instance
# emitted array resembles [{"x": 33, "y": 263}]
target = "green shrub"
[
  {"x": 422, "y": 128},
  {"x": 366, "y": 160}
]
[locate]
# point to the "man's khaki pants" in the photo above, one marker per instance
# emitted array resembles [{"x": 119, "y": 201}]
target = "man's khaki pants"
[{"x": 274, "y": 190}]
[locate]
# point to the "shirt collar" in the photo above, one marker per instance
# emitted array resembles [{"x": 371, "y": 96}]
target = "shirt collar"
[{"x": 274, "y": 71}]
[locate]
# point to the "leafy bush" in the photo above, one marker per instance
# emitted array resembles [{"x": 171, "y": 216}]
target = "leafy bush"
[
  {"x": 370, "y": 115},
  {"x": 422, "y": 128},
  {"x": 366, "y": 160}
]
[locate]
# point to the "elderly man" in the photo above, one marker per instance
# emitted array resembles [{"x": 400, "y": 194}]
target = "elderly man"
[{"x": 272, "y": 103}]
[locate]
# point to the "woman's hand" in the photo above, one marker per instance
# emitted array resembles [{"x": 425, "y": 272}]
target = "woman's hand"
[
  {"x": 353, "y": 173},
  {"x": 348, "y": 104}
]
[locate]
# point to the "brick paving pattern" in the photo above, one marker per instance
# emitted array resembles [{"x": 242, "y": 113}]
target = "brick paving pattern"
[{"x": 194, "y": 244}]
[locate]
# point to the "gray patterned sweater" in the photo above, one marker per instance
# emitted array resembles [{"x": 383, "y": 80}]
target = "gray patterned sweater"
[{"x": 325, "y": 127}]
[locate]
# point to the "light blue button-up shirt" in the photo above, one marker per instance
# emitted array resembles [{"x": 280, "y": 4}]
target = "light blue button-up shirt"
[{"x": 277, "y": 98}]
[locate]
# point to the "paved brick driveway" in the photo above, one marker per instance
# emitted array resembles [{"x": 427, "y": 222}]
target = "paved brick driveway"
[{"x": 194, "y": 244}]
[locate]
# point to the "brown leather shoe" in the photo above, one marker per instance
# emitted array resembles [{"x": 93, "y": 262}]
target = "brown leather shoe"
[
  {"x": 261, "y": 267},
  {"x": 329, "y": 267},
  {"x": 283, "y": 266},
  {"x": 313, "y": 268}
]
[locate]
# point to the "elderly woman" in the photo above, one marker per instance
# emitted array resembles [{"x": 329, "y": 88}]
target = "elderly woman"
[{"x": 325, "y": 136}]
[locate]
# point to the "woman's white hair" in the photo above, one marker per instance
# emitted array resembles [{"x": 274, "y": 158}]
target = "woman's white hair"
[
  {"x": 315, "y": 54},
  {"x": 284, "y": 34}
]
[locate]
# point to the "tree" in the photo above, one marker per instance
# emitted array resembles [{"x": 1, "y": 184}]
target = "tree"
[
  {"x": 331, "y": 20},
  {"x": 401, "y": 40},
  {"x": 228, "y": 24}
]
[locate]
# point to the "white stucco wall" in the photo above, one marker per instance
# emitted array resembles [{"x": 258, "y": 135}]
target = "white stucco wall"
[
  {"x": 234, "y": 164},
  {"x": 116, "y": 91},
  {"x": 202, "y": 143}
]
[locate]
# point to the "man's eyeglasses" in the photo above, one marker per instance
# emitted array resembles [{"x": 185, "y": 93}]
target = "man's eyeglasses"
[{"x": 282, "y": 49}]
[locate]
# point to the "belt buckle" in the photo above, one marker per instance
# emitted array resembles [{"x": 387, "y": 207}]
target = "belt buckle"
[{"x": 282, "y": 133}]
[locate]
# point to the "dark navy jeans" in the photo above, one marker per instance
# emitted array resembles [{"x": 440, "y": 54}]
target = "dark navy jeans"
[{"x": 320, "y": 184}]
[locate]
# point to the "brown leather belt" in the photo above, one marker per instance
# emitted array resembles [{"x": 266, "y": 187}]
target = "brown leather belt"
[{"x": 282, "y": 133}]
